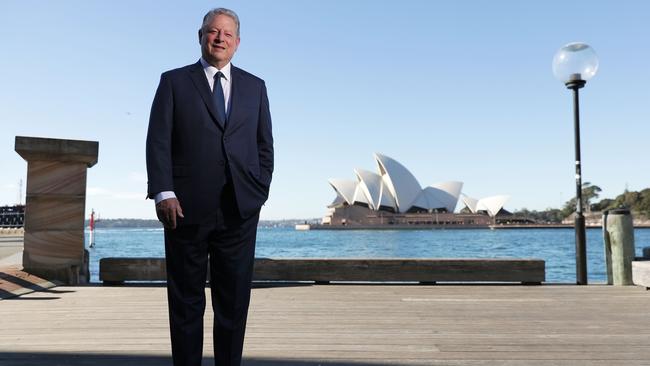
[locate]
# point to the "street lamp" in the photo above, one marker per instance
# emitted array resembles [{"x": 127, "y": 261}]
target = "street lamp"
[{"x": 574, "y": 64}]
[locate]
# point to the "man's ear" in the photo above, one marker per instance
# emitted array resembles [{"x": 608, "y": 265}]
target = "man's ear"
[{"x": 200, "y": 34}]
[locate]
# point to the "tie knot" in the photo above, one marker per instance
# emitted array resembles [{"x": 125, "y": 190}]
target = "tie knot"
[{"x": 218, "y": 75}]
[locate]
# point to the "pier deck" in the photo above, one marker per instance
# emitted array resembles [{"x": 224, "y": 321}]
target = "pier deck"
[{"x": 344, "y": 325}]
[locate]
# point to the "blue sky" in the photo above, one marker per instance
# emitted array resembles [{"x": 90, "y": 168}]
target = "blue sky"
[{"x": 454, "y": 90}]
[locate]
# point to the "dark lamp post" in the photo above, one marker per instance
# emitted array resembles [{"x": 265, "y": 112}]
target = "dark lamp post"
[{"x": 574, "y": 64}]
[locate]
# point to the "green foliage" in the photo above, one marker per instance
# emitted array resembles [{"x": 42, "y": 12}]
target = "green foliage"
[
  {"x": 589, "y": 193},
  {"x": 549, "y": 216},
  {"x": 603, "y": 205},
  {"x": 637, "y": 202},
  {"x": 568, "y": 208}
]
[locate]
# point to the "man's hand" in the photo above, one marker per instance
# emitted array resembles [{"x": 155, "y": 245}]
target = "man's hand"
[{"x": 167, "y": 211}]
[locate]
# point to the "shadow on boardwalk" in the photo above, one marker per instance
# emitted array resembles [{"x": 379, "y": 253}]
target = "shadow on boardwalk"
[{"x": 70, "y": 359}]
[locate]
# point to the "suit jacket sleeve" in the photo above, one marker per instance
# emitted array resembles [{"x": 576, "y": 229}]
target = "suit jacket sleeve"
[
  {"x": 265, "y": 140},
  {"x": 159, "y": 140}
]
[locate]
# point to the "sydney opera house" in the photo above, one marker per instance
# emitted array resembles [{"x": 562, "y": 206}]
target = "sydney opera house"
[{"x": 392, "y": 197}]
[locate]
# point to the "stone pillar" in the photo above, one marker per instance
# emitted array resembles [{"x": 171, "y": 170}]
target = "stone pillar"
[{"x": 55, "y": 207}]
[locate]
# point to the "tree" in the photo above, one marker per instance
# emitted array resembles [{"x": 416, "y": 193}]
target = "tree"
[
  {"x": 644, "y": 205},
  {"x": 589, "y": 192},
  {"x": 569, "y": 207},
  {"x": 631, "y": 200},
  {"x": 637, "y": 202},
  {"x": 603, "y": 205},
  {"x": 550, "y": 215}
]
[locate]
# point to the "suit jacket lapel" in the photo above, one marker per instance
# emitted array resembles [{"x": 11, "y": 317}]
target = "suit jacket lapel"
[{"x": 201, "y": 83}]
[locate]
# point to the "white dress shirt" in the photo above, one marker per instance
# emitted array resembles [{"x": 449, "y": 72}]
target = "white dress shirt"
[
  {"x": 226, "y": 81},
  {"x": 226, "y": 85}
]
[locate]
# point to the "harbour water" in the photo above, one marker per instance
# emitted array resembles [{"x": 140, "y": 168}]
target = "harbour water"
[{"x": 555, "y": 246}]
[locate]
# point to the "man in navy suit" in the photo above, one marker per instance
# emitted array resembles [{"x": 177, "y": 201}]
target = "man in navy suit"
[{"x": 209, "y": 163}]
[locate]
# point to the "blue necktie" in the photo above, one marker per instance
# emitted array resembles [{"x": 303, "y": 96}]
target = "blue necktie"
[{"x": 217, "y": 95}]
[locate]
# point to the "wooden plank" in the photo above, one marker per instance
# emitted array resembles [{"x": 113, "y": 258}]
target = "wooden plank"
[
  {"x": 117, "y": 270},
  {"x": 364, "y": 325}
]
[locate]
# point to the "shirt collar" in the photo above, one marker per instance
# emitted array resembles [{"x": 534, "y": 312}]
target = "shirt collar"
[{"x": 210, "y": 70}]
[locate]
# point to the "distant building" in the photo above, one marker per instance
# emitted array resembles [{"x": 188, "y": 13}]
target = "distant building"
[
  {"x": 12, "y": 216},
  {"x": 393, "y": 196}
]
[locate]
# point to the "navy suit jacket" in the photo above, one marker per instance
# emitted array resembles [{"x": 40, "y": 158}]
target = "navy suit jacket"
[{"x": 191, "y": 152}]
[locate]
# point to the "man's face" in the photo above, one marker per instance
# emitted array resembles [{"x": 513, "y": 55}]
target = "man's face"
[{"x": 219, "y": 40}]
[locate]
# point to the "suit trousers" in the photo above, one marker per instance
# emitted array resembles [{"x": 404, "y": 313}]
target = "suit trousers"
[{"x": 227, "y": 242}]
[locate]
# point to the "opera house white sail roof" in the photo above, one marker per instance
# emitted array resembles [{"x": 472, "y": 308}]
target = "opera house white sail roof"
[
  {"x": 395, "y": 188},
  {"x": 492, "y": 205}
]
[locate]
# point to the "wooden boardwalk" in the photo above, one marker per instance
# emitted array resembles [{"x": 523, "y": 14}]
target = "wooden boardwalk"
[{"x": 344, "y": 325}]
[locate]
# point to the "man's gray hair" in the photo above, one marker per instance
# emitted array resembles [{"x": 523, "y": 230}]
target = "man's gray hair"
[{"x": 220, "y": 11}]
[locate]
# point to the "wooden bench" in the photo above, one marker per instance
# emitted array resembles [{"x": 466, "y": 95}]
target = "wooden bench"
[
  {"x": 641, "y": 272},
  {"x": 426, "y": 271}
]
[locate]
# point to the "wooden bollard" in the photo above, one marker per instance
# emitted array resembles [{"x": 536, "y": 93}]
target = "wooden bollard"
[
  {"x": 608, "y": 248},
  {"x": 618, "y": 235}
]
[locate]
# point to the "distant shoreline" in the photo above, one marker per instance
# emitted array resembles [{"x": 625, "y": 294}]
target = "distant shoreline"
[{"x": 151, "y": 224}]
